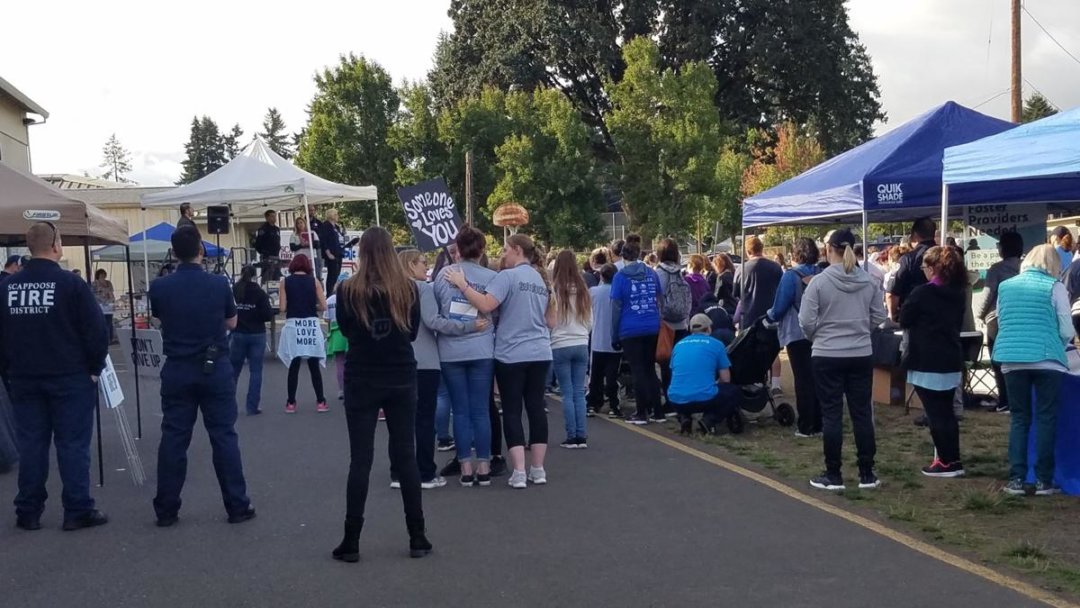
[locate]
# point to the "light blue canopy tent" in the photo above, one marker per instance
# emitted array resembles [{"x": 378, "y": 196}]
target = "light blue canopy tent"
[
  {"x": 155, "y": 247},
  {"x": 894, "y": 177},
  {"x": 1034, "y": 163}
]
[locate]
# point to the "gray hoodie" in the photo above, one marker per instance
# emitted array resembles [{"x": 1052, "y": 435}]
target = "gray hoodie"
[{"x": 839, "y": 310}]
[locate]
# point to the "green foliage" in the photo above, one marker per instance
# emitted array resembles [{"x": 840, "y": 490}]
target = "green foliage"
[
  {"x": 347, "y": 136},
  {"x": 675, "y": 168},
  {"x": 116, "y": 160},
  {"x": 205, "y": 150},
  {"x": 230, "y": 143},
  {"x": 274, "y": 134},
  {"x": 547, "y": 166},
  {"x": 1037, "y": 107}
]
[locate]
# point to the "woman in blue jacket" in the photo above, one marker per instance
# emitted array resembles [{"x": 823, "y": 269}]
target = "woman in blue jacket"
[{"x": 785, "y": 311}]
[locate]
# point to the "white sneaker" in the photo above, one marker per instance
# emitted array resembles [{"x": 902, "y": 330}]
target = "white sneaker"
[
  {"x": 538, "y": 475},
  {"x": 518, "y": 480},
  {"x": 395, "y": 485},
  {"x": 437, "y": 482}
]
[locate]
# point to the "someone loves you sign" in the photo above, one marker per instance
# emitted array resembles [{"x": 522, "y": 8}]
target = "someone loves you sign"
[{"x": 430, "y": 213}]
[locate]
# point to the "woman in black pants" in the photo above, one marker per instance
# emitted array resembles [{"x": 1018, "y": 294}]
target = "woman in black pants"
[
  {"x": 522, "y": 350},
  {"x": 378, "y": 311},
  {"x": 302, "y": 297},
  {"x": 933, "y": 316}
]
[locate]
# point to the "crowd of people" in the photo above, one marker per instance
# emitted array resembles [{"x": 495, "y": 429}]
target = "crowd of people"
[{"x": 475, "y": 341}]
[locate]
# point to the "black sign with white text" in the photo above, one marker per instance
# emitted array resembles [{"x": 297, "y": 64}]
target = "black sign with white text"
[{"x": 430, "y": 213}]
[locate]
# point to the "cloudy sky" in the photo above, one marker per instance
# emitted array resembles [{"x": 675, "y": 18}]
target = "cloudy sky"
[{"x": 142, "y": 70}]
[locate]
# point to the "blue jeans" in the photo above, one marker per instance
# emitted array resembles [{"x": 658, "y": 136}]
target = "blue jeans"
[
  {"x": 60, "y": 410},
  {"x": 1047, "y": 386},
  {"x": 469, "y": 384},
  {"x": 250, "y": 348},
  {"x": 442, "y": 413},
  {"x": 570, "y": 365}
]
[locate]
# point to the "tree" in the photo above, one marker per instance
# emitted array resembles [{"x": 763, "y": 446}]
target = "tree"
[
  {"x": 777, "y": 160},
  {"x": 774, "y": 60},
  {"x": 230, "y": 143},
  {"x": 275, "y": 136},
  {"x": 418, "y": 153},
  {"x": 670, "y": 142},
  {"x": 1037, "y": 107},
  {"x": 116, "y": 161},
  {"x": 205, "y": 150},
  {"x": 547, "y": 166},
  {"x": 347, "y": 136}
]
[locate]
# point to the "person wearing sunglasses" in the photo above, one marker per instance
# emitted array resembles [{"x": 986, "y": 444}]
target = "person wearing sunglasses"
[{"x": 53, "y": 344}]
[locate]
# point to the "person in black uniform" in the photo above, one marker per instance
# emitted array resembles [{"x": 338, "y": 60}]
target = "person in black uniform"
[
  {"x": 331, "y": 237},
  {"x": 196, "y": 309},
  {"x": 268, "y": 246},
  {"x": 187, "y": 215},
  {"x": 54, "y": 343}
]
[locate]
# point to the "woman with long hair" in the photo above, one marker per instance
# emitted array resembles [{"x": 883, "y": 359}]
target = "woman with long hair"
[
  {"x": 570, "y": 344},
  {"x": 676, "y": 304},
  {"x": 1034, "y": 326},
  {"x": 725, "y": 282},
  {"x": 248, "y": 340},
  {"x": 302, "y": 299},
  {"x": 468, "y": 366},
  {"x": 840, "y": 308},
  {"x": 933, "y": 316},
  {"x": 379, "y": 313},
  {"x": 522, "y": 349},
  {"x": 426, "y": 350}
]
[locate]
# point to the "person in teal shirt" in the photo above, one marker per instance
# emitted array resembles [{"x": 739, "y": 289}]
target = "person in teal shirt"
[{"x": 700, "y": 377}]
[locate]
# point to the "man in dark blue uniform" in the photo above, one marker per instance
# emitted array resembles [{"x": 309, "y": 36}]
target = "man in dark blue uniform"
[
  {"x": 53, "y": 344},
  {"x": 196, "y": 309}
]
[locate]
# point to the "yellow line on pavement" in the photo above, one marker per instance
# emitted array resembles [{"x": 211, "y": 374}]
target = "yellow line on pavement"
[{"x": 969, "y": 566}]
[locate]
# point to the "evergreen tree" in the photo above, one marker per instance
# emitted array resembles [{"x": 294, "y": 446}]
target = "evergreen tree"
[
  {"x": 231, "y": 142},
  {"x": 1037, "y": 107},
  {"x": 116, "y": 161},
  {"x": 205, "y": 150},
  {"x": 275, "y": 135}
]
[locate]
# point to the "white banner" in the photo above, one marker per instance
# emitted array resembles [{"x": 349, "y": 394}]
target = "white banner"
[
  {"x": 147, "y": 355},
  {"x": 110, "y": 385},
  {"x": 301, "y": 338}
]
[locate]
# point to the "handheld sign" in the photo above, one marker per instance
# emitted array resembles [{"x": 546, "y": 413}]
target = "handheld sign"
[
  {"x": 110, "y": 385},
  {"x": 430, "y": 213}
]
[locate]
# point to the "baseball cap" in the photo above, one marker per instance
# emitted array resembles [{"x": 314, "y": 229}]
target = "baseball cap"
[
  {"x": 13, "y": 259},
  {"x": 839, "y": 239},
  {"x": 700, "y": 321}
]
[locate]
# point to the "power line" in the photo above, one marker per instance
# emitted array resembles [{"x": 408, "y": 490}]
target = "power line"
[
  {"x": 1060, "y": 46},
  {"x": 1036, "y": 89},
  {"x": 991, "y": 99}
]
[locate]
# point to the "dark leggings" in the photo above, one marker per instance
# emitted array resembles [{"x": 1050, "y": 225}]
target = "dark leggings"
[
  {"x": 496, "y": 425},
  {"x": 316, "y": 378},
  {"x": 363, "y": 400},
  {"x": 522, "y": 385},
  {"x": 944, "y": 429}
]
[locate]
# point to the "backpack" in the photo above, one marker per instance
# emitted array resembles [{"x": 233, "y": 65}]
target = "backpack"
[{"x": 677, "y": 300}]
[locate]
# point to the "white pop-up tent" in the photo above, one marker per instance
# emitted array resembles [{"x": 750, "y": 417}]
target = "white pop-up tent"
[{"x": 257, "y": 180}]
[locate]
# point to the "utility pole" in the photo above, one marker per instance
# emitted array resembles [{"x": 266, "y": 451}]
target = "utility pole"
[
  {"x": 468, "y": 189},
  {"x": 1017, "y": 89}
]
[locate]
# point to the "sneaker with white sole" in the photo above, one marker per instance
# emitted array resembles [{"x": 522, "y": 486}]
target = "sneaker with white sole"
[
  {"x": 570, "y": 443},
  {"x": 869, "y": 481},
  {"x": 940, "y": 469},
  {"x": 537, "y": 475},
  {"x": 518, "y": 480},
  {"x": 395, "y": 484},
  {"x": 1045, "y": 489},
  {"x": 825, "y": 481},
  {"x": 445, "y": 445},
  {"x": 582, "y": 443},
  {"x": 1016, "y": 487},
  {"x": 802, "y": 435},
  {"x": 431, "y": 484}
]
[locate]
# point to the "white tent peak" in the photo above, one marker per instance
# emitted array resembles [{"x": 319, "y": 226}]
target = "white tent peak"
[{"x": 259, "y": 177}]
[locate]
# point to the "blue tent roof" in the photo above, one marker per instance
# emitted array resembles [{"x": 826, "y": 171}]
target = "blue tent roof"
[
  {"x": 890, "y": 176},
  {"x": 1036, "y": 162},
  {"x": 158, "y": 244}
]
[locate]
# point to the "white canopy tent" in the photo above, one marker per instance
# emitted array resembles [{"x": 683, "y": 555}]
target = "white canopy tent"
[{"x": 258, "y": 180}]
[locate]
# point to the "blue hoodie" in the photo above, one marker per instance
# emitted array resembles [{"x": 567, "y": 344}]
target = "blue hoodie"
[{"x": 635, "y": 295}]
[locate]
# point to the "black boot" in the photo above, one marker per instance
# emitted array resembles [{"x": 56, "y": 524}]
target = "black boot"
[
  {"x": 419, "y": 546},
  {"x": 349, "y": 549}
]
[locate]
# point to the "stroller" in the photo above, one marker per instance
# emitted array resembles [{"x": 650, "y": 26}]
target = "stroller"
[{"x": 752, "y": 355}]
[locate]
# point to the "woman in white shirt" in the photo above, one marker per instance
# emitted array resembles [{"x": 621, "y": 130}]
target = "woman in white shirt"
[{"x": 570, "y": 344}]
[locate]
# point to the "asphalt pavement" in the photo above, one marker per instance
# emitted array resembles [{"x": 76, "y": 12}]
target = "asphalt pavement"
[{"x": 628, "y": 522}]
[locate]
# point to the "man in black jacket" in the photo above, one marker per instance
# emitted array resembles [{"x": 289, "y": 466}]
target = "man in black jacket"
[
  {"x": 330, "y": 236},
  {"x": 910, "y": 274},
  {"x": 53, "y": 344},
  {"x": 268, "y": 246}
]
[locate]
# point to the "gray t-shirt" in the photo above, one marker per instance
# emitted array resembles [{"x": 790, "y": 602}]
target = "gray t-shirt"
[
  {"x": 522, "y": 334},
  {"x": 454, "y": 306}
]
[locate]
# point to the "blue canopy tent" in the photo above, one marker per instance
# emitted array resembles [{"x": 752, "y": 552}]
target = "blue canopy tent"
[
  {"x": 156, "y": 246},
  {"x": 893, "y": 177},
  {"x": 1034, "y": 163}
]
